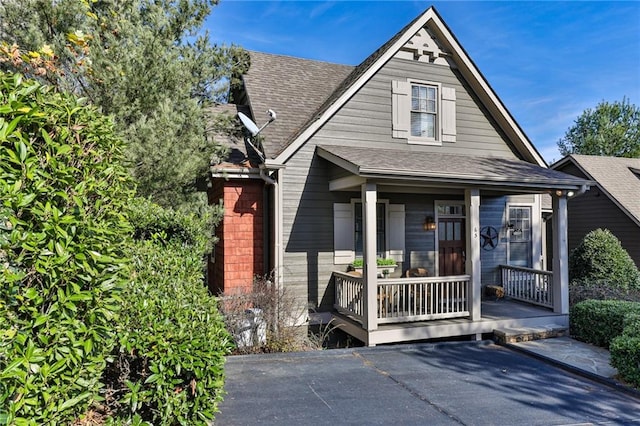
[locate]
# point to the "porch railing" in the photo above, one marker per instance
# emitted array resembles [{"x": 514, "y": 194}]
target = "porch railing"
[
  {"x": 528, "y": 285},
  {"x": 405, "y": 299},
  {"x": 349, "y": 297}
]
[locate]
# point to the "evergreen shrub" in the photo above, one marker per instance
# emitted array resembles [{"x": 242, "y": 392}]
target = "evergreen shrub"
[
  {"x": 63, "y": 229},
  {"x": 625, "y": 351},
  {"x": 599, "y": 321},
  {"x": 168, "y": 367},
  {"x": 601, "y": 258}
]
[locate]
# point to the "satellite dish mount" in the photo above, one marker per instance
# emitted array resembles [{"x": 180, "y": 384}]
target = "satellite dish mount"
[
  {"x": 252, "y": 127},
  {"x": 255, "y": 130}
]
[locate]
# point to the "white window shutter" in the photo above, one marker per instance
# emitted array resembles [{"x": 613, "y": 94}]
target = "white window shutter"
[
  {"x": 396, "y": 232},
  {"x": 400, "y": 107},
  {"x": 343, "y": 234},
  {"x": 448, "y": 114}
]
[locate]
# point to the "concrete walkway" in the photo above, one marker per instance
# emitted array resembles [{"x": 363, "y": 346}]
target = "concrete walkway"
[{"x": 468, "y": 383}]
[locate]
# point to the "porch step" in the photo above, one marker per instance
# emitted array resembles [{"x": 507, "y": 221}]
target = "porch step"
[{"x": 525, "y": 334}]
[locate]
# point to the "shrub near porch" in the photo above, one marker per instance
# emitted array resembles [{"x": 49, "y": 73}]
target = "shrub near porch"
[{"x": 613, "y": 324}]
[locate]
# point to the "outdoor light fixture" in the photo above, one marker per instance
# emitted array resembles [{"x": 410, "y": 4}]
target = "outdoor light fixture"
[{"x": 429, "y": 224}]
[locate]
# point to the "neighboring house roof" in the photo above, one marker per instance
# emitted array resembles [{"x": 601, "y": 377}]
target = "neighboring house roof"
[
  {"x": 293, "y": 87},
  {"x": 617, "y": 177},
  {"x": 447, "y": 168},
  {"x": 270, "y": 81}
]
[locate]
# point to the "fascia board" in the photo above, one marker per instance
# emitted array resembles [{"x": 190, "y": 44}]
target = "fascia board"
[
  {"x": 478, "y": 180},
  {"x": 339, "y": 161},
  {"x": 477, "y": 81}
]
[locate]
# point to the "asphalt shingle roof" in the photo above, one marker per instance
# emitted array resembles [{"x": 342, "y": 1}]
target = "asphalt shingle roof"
[
  {"x": 450, "y": 167},
  {"x": 616, "y": 176},
  {"x": 293, "y": 87}
]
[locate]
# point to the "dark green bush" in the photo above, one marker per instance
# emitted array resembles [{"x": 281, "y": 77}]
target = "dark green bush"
[
  {"x": 625, "y": 351},
  {"x": 63, "y": 191},
  {"x": 168, "y": 368},
  {"x": 153, "y": 221},
  {"x": 580, "y": 290},
  {"x": 599, "y": 321},
  {"x": 601, "y": 258}
]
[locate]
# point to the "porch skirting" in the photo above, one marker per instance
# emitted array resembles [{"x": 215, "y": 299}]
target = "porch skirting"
[{"x": 495, "y": 314}]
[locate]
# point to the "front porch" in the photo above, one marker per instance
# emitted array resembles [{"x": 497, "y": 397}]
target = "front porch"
[{"x": 409, "y": 309}]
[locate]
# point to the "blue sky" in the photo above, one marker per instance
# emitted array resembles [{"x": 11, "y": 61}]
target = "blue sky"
[{"x": 547, "y": 61}]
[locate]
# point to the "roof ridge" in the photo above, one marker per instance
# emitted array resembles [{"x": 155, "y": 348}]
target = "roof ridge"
[{"x": 282, "y": 55}]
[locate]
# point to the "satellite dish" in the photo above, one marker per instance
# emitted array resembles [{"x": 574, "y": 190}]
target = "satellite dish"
[
  {"x": 249, "y": 124},
  {"x": 254, "y": 130}
]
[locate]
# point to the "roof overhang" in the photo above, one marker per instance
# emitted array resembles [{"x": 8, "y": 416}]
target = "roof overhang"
[{"x": 398, "y": 167}]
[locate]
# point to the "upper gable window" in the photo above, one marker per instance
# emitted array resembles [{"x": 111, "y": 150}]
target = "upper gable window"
[{"x": 424, "y": 111}]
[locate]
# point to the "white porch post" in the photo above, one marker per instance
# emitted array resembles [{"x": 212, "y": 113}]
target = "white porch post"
[
  {"x": 370, "y": 267},
  {"x": 472, "y": 205},
  {"x": 560, "y": 256}
]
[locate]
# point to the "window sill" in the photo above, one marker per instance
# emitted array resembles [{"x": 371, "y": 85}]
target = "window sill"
[{"x": 418, "y": 141}]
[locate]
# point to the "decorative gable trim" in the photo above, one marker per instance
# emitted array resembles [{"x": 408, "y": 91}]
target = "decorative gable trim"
[
  {"x": 462, "y": 61},
  {"x": 423, "y": 47}
]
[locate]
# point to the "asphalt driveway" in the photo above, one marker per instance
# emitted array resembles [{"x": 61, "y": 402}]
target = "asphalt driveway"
[{"x": 426, "y": 384}]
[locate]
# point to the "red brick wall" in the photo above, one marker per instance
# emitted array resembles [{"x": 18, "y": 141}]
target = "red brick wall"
[{"x": 239, "y": 255}]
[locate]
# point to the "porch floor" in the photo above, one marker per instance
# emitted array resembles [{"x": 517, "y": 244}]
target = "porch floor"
[{"x": 494, "y": 314}]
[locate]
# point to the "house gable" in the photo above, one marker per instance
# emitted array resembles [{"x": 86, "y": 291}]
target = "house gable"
[
  {"x": 614, "y": 176},
  {"x": 427, "y": 40}
]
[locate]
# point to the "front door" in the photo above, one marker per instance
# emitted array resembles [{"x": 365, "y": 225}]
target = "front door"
[{"x": 451, "y": 246}]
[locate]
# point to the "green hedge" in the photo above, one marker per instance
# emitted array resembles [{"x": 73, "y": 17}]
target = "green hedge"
[
  {"x": 63, "y": 230},
  {"x": 600, "y": 321},
  {"x": 625, "y": 351},
  {"x": 168, "y": 368}
]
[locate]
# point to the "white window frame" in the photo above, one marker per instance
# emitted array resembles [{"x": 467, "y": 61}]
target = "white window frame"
[
  {"x": 344, "y": 231},
  {"x": 532, "y": 233},
  {"x": 425, "y": 140},
  {"x": 386, "y": 250}
]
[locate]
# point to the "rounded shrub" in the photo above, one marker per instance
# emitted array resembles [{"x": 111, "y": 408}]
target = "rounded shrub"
[
  {"x": 63, "y": 230},
  {"x": 601, "y": 258}
]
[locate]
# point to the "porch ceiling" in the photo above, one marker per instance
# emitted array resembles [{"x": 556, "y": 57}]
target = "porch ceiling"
[{"x": 396, "y": 166}]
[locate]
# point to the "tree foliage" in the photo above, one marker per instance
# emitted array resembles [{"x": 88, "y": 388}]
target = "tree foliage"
[
  {"x": 63, "y": 198},
  {"x": 611, "y": 129},
  {"x": 145, "y": 62}
]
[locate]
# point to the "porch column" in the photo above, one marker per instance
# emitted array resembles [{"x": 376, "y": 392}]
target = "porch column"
[
  {"x": 472, "y": 205},
  {"x": 369, "y": 249},
  {"x": 560, "y": 255}
]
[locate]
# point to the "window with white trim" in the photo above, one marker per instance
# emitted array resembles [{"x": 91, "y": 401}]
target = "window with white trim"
[
  {"x": 423, "y": 112},
  {"x": 519, "y": 232},
  {"x": 381, "y": 222},
  {"x": 348, "y": 231}
]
